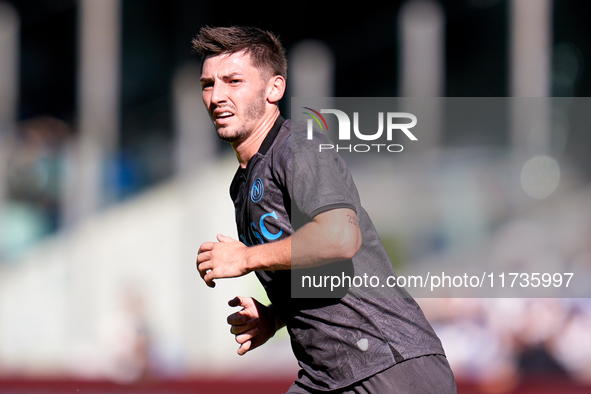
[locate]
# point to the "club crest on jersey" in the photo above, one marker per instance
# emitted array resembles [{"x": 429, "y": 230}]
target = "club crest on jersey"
[{"x": 257, "y": 190}]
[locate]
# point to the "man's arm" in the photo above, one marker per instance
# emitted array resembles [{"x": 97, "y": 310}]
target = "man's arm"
[{"x": 331, "y": 236}]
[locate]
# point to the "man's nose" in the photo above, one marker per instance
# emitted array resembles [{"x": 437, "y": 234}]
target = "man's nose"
[{"x": 218, "y": 93}]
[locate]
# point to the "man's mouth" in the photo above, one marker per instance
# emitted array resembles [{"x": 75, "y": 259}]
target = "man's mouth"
[{"x": 223, "y": 114}]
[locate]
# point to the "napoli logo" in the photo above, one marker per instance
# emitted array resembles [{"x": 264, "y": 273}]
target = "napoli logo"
[{"x": 257, "y": 191}]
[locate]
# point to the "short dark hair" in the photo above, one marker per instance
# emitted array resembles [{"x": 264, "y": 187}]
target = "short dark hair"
[{"x": 264, "y": 48}]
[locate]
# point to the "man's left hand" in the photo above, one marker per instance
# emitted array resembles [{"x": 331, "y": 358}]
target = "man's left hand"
[{"x": 227, "y": 258}]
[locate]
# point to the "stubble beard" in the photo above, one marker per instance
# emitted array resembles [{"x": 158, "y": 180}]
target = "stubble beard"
[{"x": 252, "y": 114}]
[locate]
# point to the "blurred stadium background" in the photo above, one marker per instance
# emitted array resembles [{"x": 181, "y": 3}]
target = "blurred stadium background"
[{"x": 111, "y": 176}]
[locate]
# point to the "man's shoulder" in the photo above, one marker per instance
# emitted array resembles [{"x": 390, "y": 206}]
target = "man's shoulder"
[
  {"x": 281, "y": 148},
  {"x": 292, "y": 142},
  {"x": 284, "y": 135},
  {"x": 296, "y": 132}
]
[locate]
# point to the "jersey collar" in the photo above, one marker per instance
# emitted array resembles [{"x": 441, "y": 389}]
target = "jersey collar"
[{"x": 268, "y": 141}]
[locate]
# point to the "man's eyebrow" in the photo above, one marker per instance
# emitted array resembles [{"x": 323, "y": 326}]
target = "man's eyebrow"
[
  {"x": 232, "y": 75},
  {"x": 229, "y": 76},
  {"x": 205, "y": 79}
]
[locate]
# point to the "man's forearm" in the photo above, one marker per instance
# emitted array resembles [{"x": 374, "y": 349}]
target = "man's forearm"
[
  {"x": 332, "y": 236},
  {"x": 270, "y": 256}
]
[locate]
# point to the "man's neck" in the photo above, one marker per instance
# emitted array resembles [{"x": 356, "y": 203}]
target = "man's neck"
[{"x": 247, "y": 148}]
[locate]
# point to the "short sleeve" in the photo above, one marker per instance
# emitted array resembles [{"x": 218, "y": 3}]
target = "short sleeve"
[{"x": 320, "y": 178}]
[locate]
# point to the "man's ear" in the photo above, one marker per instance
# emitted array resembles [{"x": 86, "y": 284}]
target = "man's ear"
[{"x": 275, "y": 88}]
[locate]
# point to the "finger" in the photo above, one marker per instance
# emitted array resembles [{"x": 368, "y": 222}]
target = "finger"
[
  {"x": 240, "y": 301},
  {"x": 236, "y": 319},
  {"x": 204, "y": 256},
  {"x": 206, "y": 272},
  {"x": 225, "y": 238},
  {"x": 206, "y": 246},
  {"x": 245, "y": 347},
  {"x": 234, "y": 301},
  {"x": 248, "y": 335},
  {"x": 238, "y": 329},
  {"x": 208, "y": 278},
  {"x": 203, "y": 260},
  {"x": 203, "y": 269}
]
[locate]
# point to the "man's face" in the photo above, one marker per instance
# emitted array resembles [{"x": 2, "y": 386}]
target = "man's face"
[{"x": 234, "y": 94}]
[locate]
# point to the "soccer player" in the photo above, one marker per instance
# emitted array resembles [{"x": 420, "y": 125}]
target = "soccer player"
[{"x": 298, "y": 211}]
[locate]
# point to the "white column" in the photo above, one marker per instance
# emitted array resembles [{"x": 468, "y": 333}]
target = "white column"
[
  {"x": 98, "y": 101},
  {"x": 195, "y": 137},
  {"x": 422, "y": 65},
  {"x": 311, "y": 72},
  {"x": 9, "y": 88},
  {"x": 530, "y": 54},
  {"x": 531, "y": 35}
]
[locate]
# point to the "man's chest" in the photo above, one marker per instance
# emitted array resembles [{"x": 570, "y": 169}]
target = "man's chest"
[{"x": 262, "y": 205}]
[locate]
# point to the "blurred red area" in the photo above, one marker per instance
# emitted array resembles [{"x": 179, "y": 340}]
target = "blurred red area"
[
  {"x": 545, "y": 385},
  {"x": 201, "y": 386}
]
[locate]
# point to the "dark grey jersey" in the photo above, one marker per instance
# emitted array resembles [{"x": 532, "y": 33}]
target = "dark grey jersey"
[{"x": 350, "y": 334}]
